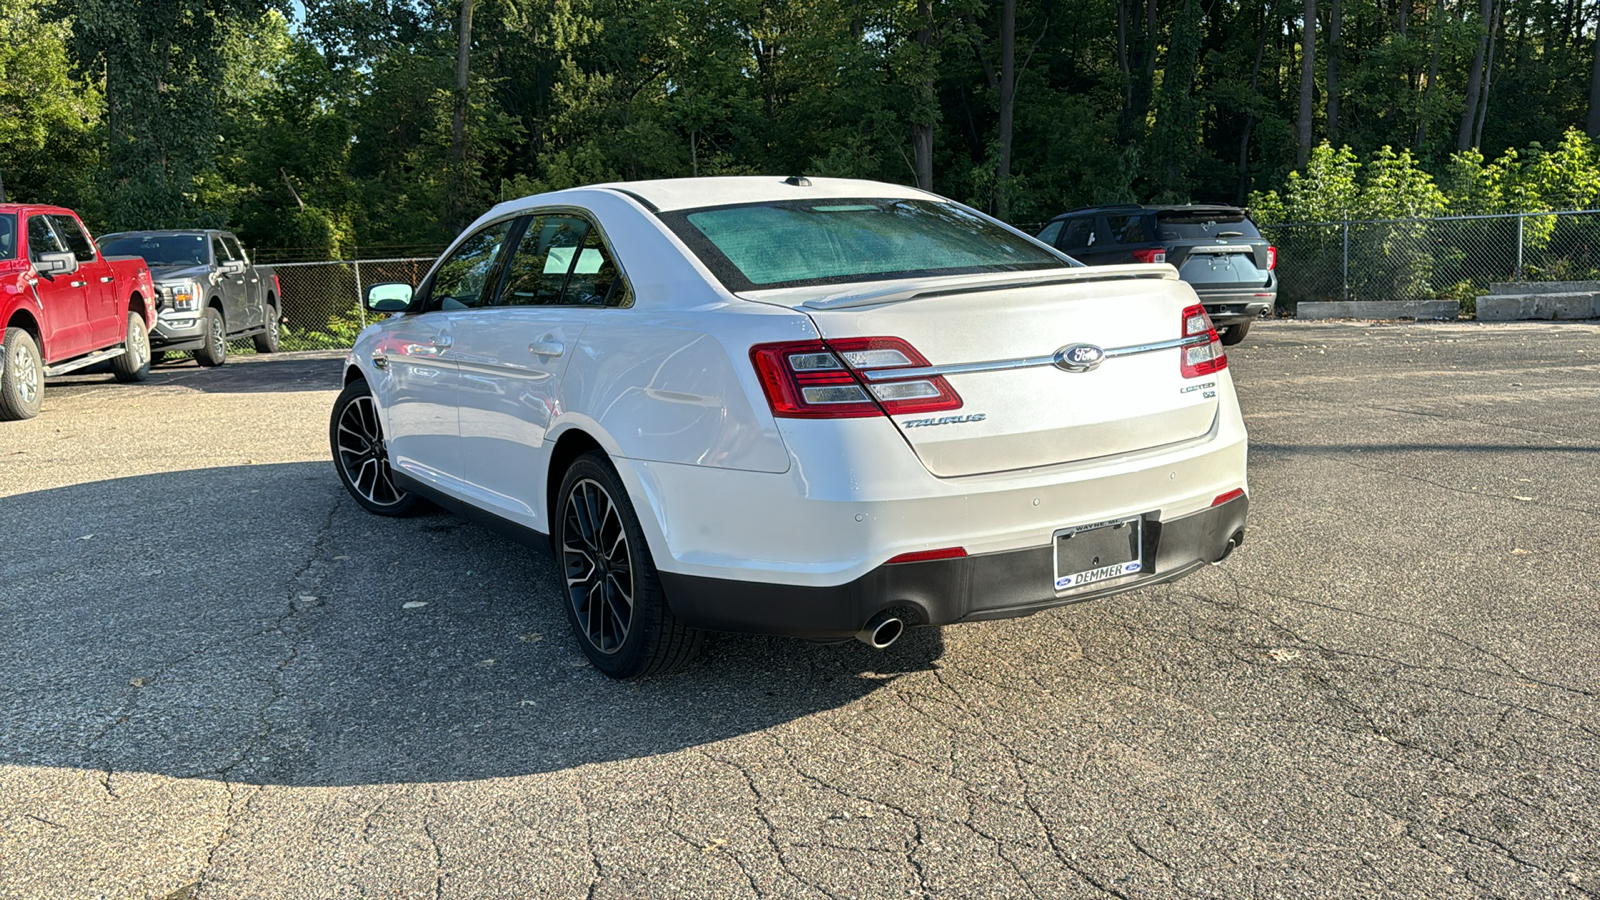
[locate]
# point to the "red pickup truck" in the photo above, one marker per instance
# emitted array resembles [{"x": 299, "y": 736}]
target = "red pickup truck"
[{"x": 64, "y": 306}]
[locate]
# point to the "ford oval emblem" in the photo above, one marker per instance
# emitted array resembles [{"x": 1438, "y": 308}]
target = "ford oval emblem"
[{"x": 1079, "y": 357}]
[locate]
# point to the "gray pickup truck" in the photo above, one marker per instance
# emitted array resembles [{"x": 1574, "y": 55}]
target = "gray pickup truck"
[{"x": 207, "y": 291}]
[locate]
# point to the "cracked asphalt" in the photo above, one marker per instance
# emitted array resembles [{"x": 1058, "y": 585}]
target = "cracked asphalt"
[{"x": 220, "y": 679}]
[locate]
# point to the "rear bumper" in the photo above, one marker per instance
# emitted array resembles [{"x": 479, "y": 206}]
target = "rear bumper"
[
  {"x": 942, "y": 592},
  {"x": 1233, "y": 304}
]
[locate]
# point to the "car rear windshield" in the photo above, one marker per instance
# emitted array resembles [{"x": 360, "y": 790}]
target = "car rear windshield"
[
  {"x": 161, "y": 249},
  {"x": 8, "y": 236},
  {"x": 792, "y": 243},
  {"x": 1187, "y": 225}
]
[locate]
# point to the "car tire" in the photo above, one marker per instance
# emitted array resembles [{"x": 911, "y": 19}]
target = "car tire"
[
  {"x": 355, "y": 434},
  {"x": 134, "y": 364},
  {"x": 1233, "y": 334},
  {"x": 610, "y": 589},
  {"x": 267, "y": 341},
  {"x": 22, "y": 381},
  {"x": 214, "y": 350}
]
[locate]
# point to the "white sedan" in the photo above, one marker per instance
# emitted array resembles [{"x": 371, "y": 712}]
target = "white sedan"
[{"x": 821, "y": 408}]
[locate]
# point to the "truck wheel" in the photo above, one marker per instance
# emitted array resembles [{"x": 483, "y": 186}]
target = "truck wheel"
[
  {"x": 267, "y": 341},
  {"x": 214, "y": 352},
  {"x": 134, "y": 365},
  {"x": 1234, "y": 333},
  {"x": 22, "y": 382}
]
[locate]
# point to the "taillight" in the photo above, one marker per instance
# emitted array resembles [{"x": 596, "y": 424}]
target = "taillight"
[
  {"x": 1201, "y": 359},
  {"x": 929, "y": 555},
  {"x": 1158, "y": 255},
  {"x": 1272, "y": 258},
  {"x": 1230, "y": 496},
  {"x": 848, "y": 378}
]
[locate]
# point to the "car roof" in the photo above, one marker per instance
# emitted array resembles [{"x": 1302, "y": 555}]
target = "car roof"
[
  {"x": 33, "y": 207},
  {"x": 155, "y": 232},
  {"x": 669, "y": 194},
  {"x": 1155, "y": 207}
]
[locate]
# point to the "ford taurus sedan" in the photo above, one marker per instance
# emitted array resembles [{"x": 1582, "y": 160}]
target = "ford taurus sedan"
[{"x": 810, "y": 407}]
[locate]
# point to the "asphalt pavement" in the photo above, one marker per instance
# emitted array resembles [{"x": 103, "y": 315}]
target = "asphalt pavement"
[{"x": 219, "y": 678}]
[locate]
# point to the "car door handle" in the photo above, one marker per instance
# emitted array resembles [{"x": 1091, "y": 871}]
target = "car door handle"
[
  {"x": 106, "y": 279},
  {"x": 547, "y": 348},
  {"x": 78, "y": 283},
  {"x": 442, "y": 341}
]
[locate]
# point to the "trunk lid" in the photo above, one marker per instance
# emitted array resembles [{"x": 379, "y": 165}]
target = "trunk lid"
[{"x": 1021, "y": 410}]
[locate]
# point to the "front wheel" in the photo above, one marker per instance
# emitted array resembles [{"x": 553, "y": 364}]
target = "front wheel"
[
  {"x": 1233, "y": 334},
  {"x": 214, "y": 352},
  {"x": 362, "y": 457},
  {"x": 22, "y": 380},
  {"x": 613, "y": 596},
  {"x": 134, "y": 363},
  {"x": 267, "y": 341}
]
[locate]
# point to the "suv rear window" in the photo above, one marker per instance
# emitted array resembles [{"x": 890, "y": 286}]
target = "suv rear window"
[
  {"x": 1184, "y": 225},
  {"x": 798, "y": 243},
  {"x": 1129, "y": 229}
]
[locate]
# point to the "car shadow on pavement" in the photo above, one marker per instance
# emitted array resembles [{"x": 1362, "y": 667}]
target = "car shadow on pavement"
[
  {"x": 252, "y": 624},
  {"x": 307, "y": 370}
]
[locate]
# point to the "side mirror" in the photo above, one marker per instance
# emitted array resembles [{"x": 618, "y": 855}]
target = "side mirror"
[
  {"x": 63, "y": 262},
  {"x": 390, "y": 297},
  {"x": 233, "y": 267}
]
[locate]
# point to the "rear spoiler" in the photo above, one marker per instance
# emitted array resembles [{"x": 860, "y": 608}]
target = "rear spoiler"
[{"x": 972, "y": 284}]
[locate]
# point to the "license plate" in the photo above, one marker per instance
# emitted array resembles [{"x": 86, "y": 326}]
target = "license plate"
[{"x": 1089, "y": 554}]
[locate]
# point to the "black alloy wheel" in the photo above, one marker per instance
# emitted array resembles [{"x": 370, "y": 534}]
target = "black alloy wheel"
[
  {"x": 614, "y": 601},
  {"x": 361, "y": 455}
]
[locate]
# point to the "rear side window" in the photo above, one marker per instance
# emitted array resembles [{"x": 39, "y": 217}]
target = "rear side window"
[
  {"x": 799, "y": 243},
  {"x": 219, "y": 250},
  {"x": 1129, "y": 229},
  {"x": 232, "y": 243},
  {"x": 1205, "y": 224},
  {"x": 562, "y": 261},
  {"x": 78, "y": 242},
  {"x": 1079, "y": 233},
  {"x": 42, "y": 238},
  {"x": 8, "y": 236}
]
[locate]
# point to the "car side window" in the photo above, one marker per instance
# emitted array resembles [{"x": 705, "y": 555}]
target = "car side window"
[
  {"x": 460, "y": 280},
  {"x": 42, "y": 238},
  {"x": 1051, "y": 232},
  {"x": 234, "y": 250},
  {"x": 71, "y": 232},
  {"x": 1128, "y": 229},
  {"x": 562, "y": 261},
  {"x": 219, "y": 250},
  {"x": 1079, "y": 232}
]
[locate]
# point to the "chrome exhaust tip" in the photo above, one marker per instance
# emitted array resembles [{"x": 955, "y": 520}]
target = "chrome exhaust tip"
[{"x": 882, "y": 630}]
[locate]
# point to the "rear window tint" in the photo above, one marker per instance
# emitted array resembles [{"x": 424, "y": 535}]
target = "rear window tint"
[
  {"x": 1129, "y": 229},
  {"x": 836, "y": 241},
  {"x": 1205, "y": 224}
]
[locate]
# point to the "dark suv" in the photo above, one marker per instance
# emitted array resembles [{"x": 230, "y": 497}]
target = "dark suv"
[{"x": 1217, "y": 249}]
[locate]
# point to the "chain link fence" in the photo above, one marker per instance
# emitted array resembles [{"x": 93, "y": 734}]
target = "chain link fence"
[
  {"x": 321, "y": 303},
  {"x": 1449, "y": 258}
]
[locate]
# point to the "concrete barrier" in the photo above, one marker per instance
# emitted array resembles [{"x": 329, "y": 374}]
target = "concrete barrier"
[
  {"x": 1540, "y": 304},
  {"x": 1379, "y": 309}
]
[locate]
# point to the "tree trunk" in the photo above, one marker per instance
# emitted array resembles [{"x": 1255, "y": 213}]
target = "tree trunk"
[
  {"x": 1130, "y": 126},
  {"x": 1308, "y": 78},
  {"x": 1243, "y": 191},
  {"x": 1488, "y": 73},
  {"x": 1335, "y": 14},
  {"x": 1469, "y": 114},
  {"x": 1437, "y": 26},
  {"x": 922, "y": 131},
  {"x": 1594, "y": 90},
  {"x": 458, "y": 123},
  {"x": 1008, "y": 97}
]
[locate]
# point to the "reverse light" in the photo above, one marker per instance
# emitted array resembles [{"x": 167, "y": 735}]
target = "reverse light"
[
  {"x": 1234, "y": 494},
  {"x": 1158, "y": 255},
  {"x": 1201, "y": 359},
  {"x": 1272, "y": 258},
  {"x": 929, "y": 555},
  {"x": 827, "y": 379}
]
